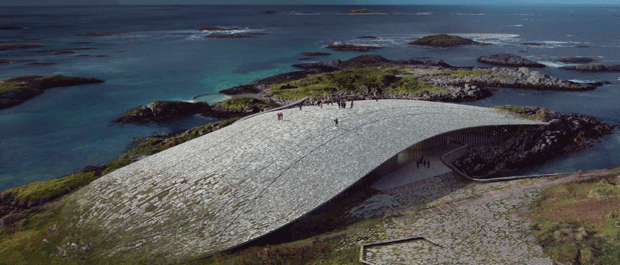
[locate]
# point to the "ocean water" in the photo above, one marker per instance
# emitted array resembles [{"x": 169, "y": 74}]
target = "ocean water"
[{"x": 159, "y": 55}]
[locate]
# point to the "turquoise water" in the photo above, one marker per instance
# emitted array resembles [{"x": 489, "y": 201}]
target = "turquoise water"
[{"x": 160, "y": 56}]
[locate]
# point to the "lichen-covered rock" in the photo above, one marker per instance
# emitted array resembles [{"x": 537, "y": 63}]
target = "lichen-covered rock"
[
  {"x": 509, "y": 60},
  {"x": 163, "y": 112},
  {"x": 592, "y": 68}
]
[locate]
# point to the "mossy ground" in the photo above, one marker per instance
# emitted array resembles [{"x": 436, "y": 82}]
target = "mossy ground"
[
  {"x": 241, "y": 102},
  {"x": 357, "y": 81},
  {"x": 578, "y": 222}
]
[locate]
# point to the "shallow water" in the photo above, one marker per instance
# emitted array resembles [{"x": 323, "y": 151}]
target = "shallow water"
[{"x": 162, "y": 57}]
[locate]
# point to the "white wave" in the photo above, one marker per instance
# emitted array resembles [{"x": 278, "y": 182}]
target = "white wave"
[
  {"x": 518, "y": 25},
  {"x": 424, "y": 13},
  {"x": 468, "y": 14},
  {"x": 553, "y": 64},
  {"x": 494, "y": 38},
  {"x": 582, "y": 81}
]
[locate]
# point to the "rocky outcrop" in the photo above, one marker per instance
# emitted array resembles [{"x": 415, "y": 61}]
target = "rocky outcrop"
[
  {"x": 53, "y": 52},
  {"x": 315, "y": 54},
  {"x": 328, "y": 66},
  {"x": 97, "y": 34},
  {"x": 8, "y": 47},
  {"x": 212, "y": 28},
  {"x": 366, "y": 11},
  {"x": 565, "y": 133},
  {"x": 15, "y": 91},
  {"x": 346, "y": 47},
  {"x": 509, "y": 60},
  {"x": 592, "y": 68},
  {"x": 576, "y": 60},
  {"x": 505, "y": 77},
  {"x": 163, "y": 112},
  {"x": 364, "y": 60},
  {"x": 445, "y": 40},
  {"x": 10, "y": 28},
  {"x": 235, "y": 35},
  {"x": 244, "y": 89}
]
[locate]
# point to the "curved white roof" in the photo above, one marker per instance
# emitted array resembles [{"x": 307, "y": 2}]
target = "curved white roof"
[{"x": 254, "y": 176}]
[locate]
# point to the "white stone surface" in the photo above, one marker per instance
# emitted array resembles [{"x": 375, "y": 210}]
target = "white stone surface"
[{"x": 252, "y": 177}]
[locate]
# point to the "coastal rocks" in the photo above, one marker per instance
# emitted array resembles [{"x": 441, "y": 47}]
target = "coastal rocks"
[
  {"x": 367, "y": 37},
  {"x": 366, "y": 11},
  {"x": 445, "y": 40},
  {"x": 235, "y": 35},
  {"x": 163, "y": 112},
  {"x": 53, "y": 52},
  {"x": 364, "y": 60},
  {"x": 8, "y": 47},
  {"x": 315, "y": 54},
  {"x": 244, "y": 89},
  {"x": 592, "y": 68},
  {"x": 457, "y": 94},
  {"x": 323, "y": 67},
  {"x": 97, "y": 34},
  {"x": 346, "y": 47},
  {"x": 509, "y": 60},
  {"x": 15, "y": 91},
  {"x": 10, "y": 28},
  {"x": 212, "y": 28},
  {"x": 576, "y": 60},
  {"x": 565, "y": 133}
]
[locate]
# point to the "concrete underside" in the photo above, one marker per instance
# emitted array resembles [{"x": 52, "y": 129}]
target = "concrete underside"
[{"x": 255, "y": 176}]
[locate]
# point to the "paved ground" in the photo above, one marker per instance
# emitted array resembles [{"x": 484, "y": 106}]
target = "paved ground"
[{"x": 254, "y": 176}]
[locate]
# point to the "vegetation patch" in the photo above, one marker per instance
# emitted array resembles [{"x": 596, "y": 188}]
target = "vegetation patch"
[
  {"x": 445, "y": 40},
  {"x": 241, "y": 103},
  {"x": 578, "y": 222}
]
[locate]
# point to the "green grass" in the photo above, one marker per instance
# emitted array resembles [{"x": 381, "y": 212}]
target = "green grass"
[
  {"x": 241, "y": 102},
  {"x": 357, "y": 81},
  {"x": 467, "y": 74},
  {"x": 51, "y": 189},
  {"x": 10, "y": 86}
]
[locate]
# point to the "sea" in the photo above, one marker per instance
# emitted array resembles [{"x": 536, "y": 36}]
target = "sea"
[{"x": 158, "y": 54}]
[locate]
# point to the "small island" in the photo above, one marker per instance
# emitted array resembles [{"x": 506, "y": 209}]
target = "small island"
[
  {"x": 235, "y": 35},
  {"x": 9, "y": 47},
  {"x": 445, "y": 40},
  {"x": 592, "y": 68},
  {"x": 509, "y": 60},
  {"x": 98, "y": 34},
  {"x": 345, "y": 47},
  {"x": 14, "y": 91},
  {"x": 366, "y": 11}
]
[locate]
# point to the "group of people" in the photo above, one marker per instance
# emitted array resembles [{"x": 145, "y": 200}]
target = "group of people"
[
  {"x": 423, "y": 162},
  {"x": 280, "y": 116}
]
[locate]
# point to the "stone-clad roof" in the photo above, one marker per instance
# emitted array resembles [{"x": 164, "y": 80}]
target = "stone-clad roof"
[{"x": 252, "y": 177}]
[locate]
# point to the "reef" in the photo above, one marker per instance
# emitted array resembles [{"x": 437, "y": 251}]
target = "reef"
[
  {"x": 592, "y": 68},
  {"x": 509, "y": 60},
  {"x": 345, "y": 47},
  {"x": 14, "y": 91}
]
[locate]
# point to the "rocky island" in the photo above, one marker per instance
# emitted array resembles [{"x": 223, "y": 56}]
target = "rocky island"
[
  {"x": 215, "y": 28},
  {"x": 235, "y": 35},
  {"x": 14, "y": 91},
  {"x": 592, "y": 68},
  {"x": 445, "y": 40},
  {"x": 346, "y": 47},
  {"x": 565, "y": 133},
  {"x": 509, "y": 60}
]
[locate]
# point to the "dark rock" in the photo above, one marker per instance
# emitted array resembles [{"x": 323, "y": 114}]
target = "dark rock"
[
  {"x": 81, "y": 42},
  {"x": 509, "y": 60},
  {"x": 287, "y": 86},
  {"x": 304, "y": 59},
  {"x": 366, "y": 11},
  {"x": 7, "y": 47},
  {"x": 10, "y": 28},
  {"x": 269, "y": 12},
  {"x": 353, "y": 47},
  {"x": 244, "y": 89},
  {"x": 212, "y": 28},
  {"x": 440, "y": 63},
  {"x": 445, "y": 40},
  {"x": 10, "y": 61},
  {"x": 235, "y": 35},
  {"x": 576, "y": 60},
  {"x": 582, "y": 46},
  {"x": 101, "y": 56},
  {"x": 364, "y": 60},
  {"x": 53, "y": 52},
  {"x": 597, "y": 84},
  {"x": 315, "y": 54},
  {"x": 42, "y": 64},
  {"x": 323, "y": 67},
  {"x": 98, "y": 34},
  {"x": 285, "y": 77},
  {"x": 592, "y": 68},
  {"x": 80, "y": 49},
  {"x": 565, "y": 133},
  {"x": 26, "y": 87},
  {"x": 366, "y": 37},
  {"x": 163, "y": 112},
  {"x": 533, "y": 43}
]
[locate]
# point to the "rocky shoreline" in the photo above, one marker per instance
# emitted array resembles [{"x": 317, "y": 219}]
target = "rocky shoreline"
[
  {"x": 445, "y": 40},
  {"x": 509, "y": 60},
  {"x": 14, "y": 91},
  {"x": 565, "y": 133}
]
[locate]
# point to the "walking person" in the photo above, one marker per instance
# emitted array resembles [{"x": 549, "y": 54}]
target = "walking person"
[
  {"x": 279, "y": 118},
  {"x": 351, "y": 103},
  {"x": 336, "y": 121},
  {"x": 299, "y": 106}
]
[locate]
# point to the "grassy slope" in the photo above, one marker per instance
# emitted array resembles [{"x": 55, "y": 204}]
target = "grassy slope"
[
  {"x": 241, "y": 102},
  {"x": 576, "y": 223},
  {"x": 354, "y": 81}
]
